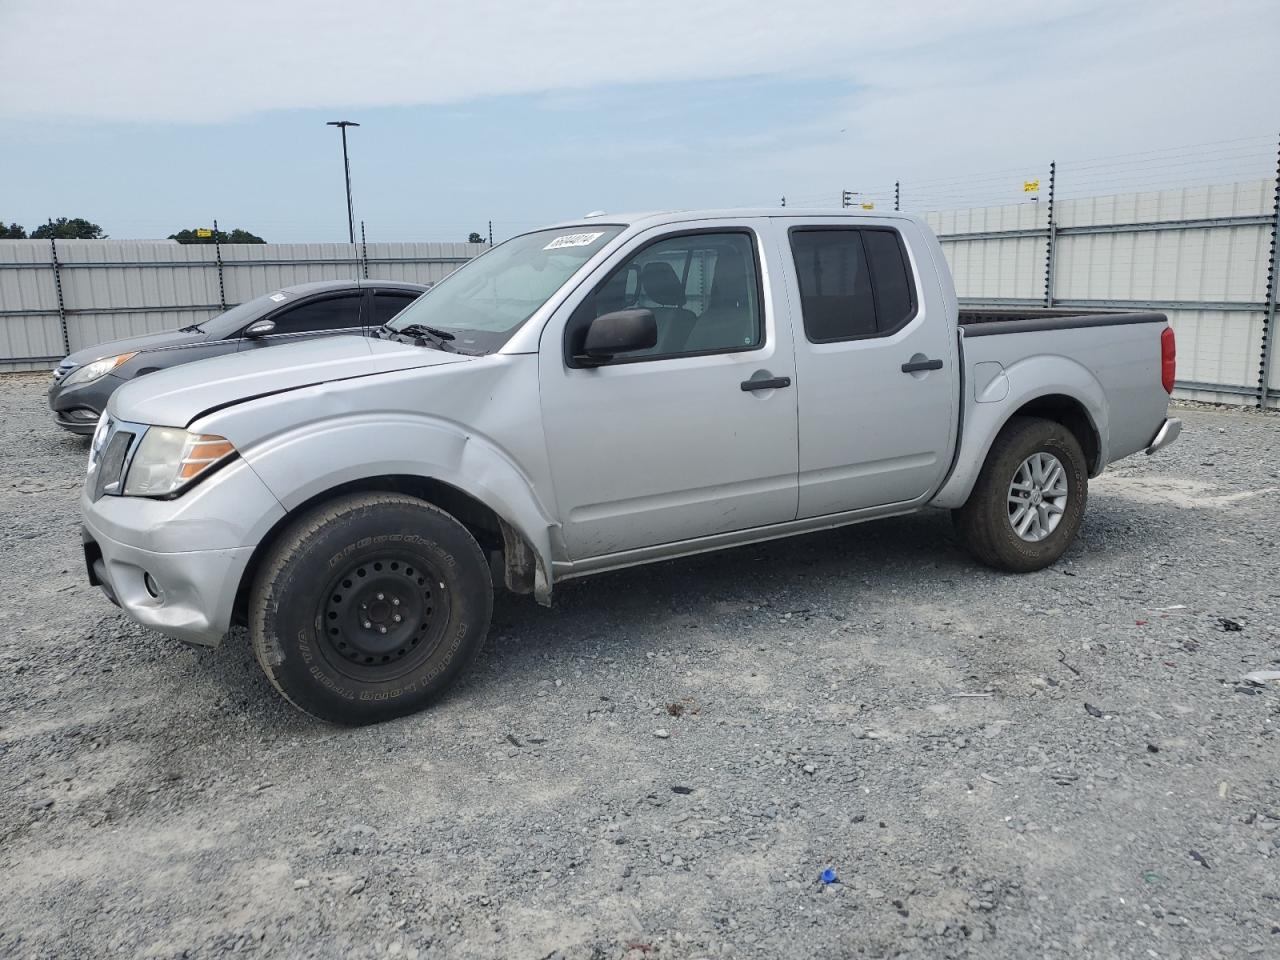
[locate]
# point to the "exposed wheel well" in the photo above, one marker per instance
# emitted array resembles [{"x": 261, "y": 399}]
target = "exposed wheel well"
[
  {"x": 1071, "y": 414},
  {"x": 481, "y": 521}
]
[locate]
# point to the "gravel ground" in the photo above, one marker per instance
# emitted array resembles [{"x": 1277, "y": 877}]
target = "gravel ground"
[{"x": 1065, "y": 764}]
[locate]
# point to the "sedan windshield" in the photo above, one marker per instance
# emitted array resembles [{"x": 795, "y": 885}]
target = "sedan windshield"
[{"x": 484, "y": 302}]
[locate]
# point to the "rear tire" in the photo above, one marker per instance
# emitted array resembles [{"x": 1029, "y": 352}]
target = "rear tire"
[
  {"x": 369, "y": 607},
  {"x": 1029, "y": 499}
]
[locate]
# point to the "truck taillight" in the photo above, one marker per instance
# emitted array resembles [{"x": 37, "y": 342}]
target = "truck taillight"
[{"x": 1168, "y": 359}]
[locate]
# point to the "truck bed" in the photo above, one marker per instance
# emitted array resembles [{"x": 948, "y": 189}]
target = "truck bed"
[
  {"x": 1112, "y": 361},
  {"x": 991, "y": 321}
]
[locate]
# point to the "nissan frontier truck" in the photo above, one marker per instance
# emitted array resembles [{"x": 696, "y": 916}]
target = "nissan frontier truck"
[{"x": 604, "y": 393}]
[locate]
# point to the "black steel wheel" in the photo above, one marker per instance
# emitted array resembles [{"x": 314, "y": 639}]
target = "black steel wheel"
[{"x": 380, "y": 618}]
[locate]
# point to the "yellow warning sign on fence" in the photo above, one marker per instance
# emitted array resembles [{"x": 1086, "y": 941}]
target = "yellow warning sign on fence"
[
  {"x": 1030, "y": 186},
  {"x": 203, "y": 232},
  {"x": 868, "y": 206}
]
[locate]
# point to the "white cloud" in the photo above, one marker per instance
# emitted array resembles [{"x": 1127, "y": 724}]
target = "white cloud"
[
  {"x": 187, "y": 62},
  {"x": 923, "y": 90}
]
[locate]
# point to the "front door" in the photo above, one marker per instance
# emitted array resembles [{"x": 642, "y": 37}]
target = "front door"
[
  {"x": 322, "y": 316},
  {"x": 877, "y": 371},
  {"x": 694, "y": 436}
]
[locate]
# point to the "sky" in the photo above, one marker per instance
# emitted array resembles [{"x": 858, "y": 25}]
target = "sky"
[{"x": 148, "y": 117}]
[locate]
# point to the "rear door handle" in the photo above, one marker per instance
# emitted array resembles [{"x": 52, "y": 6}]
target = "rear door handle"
[
  {"x": 915, "y": 366},
  {"x": 769, "y": 383}
]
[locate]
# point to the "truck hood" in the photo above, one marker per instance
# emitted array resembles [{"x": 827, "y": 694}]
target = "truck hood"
[{"x": 176, "y": 396}]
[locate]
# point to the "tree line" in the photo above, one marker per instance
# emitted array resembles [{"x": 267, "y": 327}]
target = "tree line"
[{"x": 78, "y": 228}]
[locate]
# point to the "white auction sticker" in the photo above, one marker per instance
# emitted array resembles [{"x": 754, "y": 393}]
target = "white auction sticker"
[
  {"x": 574, "y": 240},
  {"x": 277, "y": 297}
]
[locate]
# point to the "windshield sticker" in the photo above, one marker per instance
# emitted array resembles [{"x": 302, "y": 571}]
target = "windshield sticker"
[
  {"x": 277, "y": 297},
  {"x": 573, "y": 240}
]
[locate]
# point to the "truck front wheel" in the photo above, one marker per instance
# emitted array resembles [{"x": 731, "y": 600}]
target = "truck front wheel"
[
  {"x": 369, "y": 607},
  {"x": 1027, "y": 505}
]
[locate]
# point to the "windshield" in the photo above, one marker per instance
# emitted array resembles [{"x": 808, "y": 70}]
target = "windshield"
[{"x": 485, "y": 301}]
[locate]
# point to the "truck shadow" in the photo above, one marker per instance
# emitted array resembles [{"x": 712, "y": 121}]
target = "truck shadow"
[{"x": 630, "y": 609}]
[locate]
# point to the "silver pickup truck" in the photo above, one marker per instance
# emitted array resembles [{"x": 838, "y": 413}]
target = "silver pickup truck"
[{"x": 596, "y": 395}]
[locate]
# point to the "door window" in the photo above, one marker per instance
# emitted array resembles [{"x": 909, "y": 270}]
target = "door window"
[
  {"x": 334, "y": 313},
  {"x": 854, "y": 283},
  {"x": 386, "y": 305},
  {"x": 703, "y": 290}
]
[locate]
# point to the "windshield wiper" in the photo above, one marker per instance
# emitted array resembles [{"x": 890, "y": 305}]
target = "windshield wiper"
[{"x": 421, "y": 331}]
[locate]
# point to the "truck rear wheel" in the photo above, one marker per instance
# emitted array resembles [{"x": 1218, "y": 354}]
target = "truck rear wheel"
[
  {"x": 370, "y": 607},
  {"x": 1027, "y": 505}
]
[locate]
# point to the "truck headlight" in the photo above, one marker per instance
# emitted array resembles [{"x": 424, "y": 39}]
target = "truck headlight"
[
  {"x": 96, "y": 370},
  {"x": 169, "y": 458}
]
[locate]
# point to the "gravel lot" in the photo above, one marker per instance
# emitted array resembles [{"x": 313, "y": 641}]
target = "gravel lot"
[{"x": 1064, "y": 764}]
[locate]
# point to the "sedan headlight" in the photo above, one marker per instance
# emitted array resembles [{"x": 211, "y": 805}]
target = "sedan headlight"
[
  {"x": 96, "y": 370},
  {"x": 169, "y": 458}
]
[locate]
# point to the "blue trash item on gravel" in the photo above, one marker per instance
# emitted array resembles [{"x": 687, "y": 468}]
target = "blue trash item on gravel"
[{"x": 829, "y": 876}]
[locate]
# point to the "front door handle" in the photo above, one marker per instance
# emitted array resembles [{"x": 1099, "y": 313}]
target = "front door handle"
[
  {"x": 769, "y": 383},
  {"x": 916, "y": 366}
]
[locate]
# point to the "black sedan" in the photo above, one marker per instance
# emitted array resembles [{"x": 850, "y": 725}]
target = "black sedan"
[{"x": 84, "y": 380}]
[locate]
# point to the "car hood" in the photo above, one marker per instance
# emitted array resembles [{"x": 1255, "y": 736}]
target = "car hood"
[
  {"x": 178, "y": 395},
  {"x": 148, "y": 341}
]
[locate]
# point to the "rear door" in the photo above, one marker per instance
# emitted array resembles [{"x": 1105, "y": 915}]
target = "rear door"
[
  {"x": 387, "y": 303},
  {"x": 876, "y": 366},
  {"x": 687, "y": 439}
]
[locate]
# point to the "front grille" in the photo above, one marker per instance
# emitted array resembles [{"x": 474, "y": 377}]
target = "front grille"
[{"x": 110, "y": 467}]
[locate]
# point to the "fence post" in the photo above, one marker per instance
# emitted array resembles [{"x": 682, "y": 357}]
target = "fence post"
[
  {"x": 1052, "y": 238},
  {"x": 364, "y": 252},
  {"x": 1269, "y": 318},
  {"x": 57, "y": 285},
  {"x": 217, "y": 254},
  {"x": 897, "y": 195}
]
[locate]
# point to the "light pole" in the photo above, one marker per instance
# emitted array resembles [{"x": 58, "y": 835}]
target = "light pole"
[{"x": 346, "y": 167}]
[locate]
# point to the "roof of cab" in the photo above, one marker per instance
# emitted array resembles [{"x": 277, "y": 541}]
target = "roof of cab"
[{"x": 661, "y": 217}]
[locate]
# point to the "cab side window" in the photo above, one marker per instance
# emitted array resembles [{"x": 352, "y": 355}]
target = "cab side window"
[
  {"x": 854, "y": 282},
  {"x": 333, "y": 313},
  {"x": 702, "y": 288},
  {"x": 386, "y": 305}
]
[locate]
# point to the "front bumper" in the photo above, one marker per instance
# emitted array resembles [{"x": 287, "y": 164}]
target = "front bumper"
[
  {"x": 195, "y": 591},
  {"x": 136, "y": 551},
  {"x": 76, "y": 408},
  {"x": 1168, "y": 432}
]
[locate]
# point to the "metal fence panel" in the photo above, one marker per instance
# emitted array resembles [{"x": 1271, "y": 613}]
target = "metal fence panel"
[
  {"x": 113, "y": 289},
  {"x": 1200, "y": 254},
  {"x": 983, "y": 267},
  {"x": 29, "y": 328}
]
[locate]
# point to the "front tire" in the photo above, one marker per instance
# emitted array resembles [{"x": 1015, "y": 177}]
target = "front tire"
[
  {"x": 1029, "y": 500},
  {"x": 370, "y": 607}
]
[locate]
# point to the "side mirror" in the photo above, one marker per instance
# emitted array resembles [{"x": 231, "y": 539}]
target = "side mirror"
[
  {"x": 259, "y": 328},
  {"x": 622, "y": 331}
]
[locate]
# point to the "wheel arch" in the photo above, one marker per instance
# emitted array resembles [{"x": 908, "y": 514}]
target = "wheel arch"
[
  {"x": 1071, "y": 397},
  {"x": 523, "y": 567},
  {"x": 1073, "y": 415}
]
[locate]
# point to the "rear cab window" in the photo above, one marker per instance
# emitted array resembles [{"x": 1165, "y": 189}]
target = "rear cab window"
[{"x": 855, "y": 282}]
